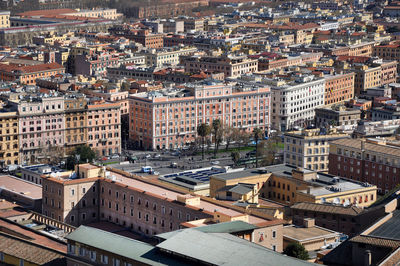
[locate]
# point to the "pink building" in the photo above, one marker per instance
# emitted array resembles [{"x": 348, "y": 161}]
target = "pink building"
[
  {"x": 104, "y": 127},
  {"x": 41, "y": 126},
  {"x": 169, "y": 119}
]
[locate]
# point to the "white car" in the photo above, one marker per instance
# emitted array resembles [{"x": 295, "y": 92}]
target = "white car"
[
  {"x": 114, "y": 156},
  {"x": 215, "y": 162}
]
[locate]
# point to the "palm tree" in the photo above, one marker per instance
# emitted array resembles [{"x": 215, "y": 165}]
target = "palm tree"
[
  {"x": 203, "y": 130},
  {"x": 258, "y": 134},
  {"x": 216, "y": 126}
]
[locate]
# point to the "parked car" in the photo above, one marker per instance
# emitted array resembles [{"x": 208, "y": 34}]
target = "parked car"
[{"x": 114, "y": 156}]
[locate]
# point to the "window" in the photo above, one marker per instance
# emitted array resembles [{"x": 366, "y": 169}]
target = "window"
[
  {"x": 273, "y": 234},
  {"x": 104, "y": 259},
  {"x": 273, "y": 247},
  {"x": 116, "y": 262},
  {"x": 72, "y": 192},
  {"x": 81, "y": 251},
  {"x": 93, "y": 255},
  {"x": 21, "y": 262},
  {"x": 1, "y": 256}
]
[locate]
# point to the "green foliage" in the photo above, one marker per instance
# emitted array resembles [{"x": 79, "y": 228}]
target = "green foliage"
[
  {"x": 81, "y": 154},
  {"x": 296, "y": 250},
  {"x": 203, "y": 130}
]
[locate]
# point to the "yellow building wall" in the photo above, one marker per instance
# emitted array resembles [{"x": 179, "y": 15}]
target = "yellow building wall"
[{"x": 16, "y": 261}]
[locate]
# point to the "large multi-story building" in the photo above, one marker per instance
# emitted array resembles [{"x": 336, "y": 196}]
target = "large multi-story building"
[
  {"x": 164, "y": 57},
  {"x": 41, "y": 126},
  {"x": 373, "y": 160},
  {"x": 94, "y": 194},
  {"x": 232, "y": 67},
  {"x": 104, "y": 127},
  {"x": 9, "y": 130},
  {"x": 169, "y": 119},
  {"x": 5, "y": 19},
  {"x": 309, "y": 148},
  {"x": 339, "y": 88},
  {"x": 374, "y": 75},
  {"x": 75, "y": 122},
  {"x": 28, "y": 74},
  {"x": 294, "y": 102}
]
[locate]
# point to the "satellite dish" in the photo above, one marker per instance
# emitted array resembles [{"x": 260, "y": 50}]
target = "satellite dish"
[{"x": 336, "y": 201}]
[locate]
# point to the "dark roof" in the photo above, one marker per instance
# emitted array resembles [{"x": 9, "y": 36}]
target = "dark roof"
[
  {"x": 389, "y": 229},
  {"x": 238, "y": 174},
  {"x": 29, "y": 252},
  {"x": 328, "y": 208},
  {"x": 240, "y": 188},
  {"x": 376, "y": 241}
]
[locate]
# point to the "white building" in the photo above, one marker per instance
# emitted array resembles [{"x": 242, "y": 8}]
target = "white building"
[
  {"x": 166, "y": 57},
  {"x": 294, "y": 102}
]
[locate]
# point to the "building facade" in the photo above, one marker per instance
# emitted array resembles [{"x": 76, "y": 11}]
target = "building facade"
[
  {"x": 167, "y": 121},
  {"x": 339, "y": 88},
  {"x": 309, "y": 149}
]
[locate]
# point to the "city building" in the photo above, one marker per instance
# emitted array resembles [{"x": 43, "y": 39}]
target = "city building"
[
  {"x": 103, "y": 127},
  {"x": 290, "y": 185},
  {"x": 375, "y": 161},
  {"x": 337, "y": 116},
  {"x": 309, "y": 148},
  {"x": 232, "y": 67},
  {"x": 166, "y": 57},
  {"x": 169, "y": 119},
  {"x": 75, "y": 122},
  {"x": 339, "y": 88},
  {"x": 28, "y": 74},
  {"x": 9, "y": 131},
  {"x": 294, "y": 102},
  {"x": 5, "y": 19}
]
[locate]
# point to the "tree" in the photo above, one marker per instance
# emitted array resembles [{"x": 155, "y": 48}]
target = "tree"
[
  {"x": 228, "y": 133},
  {"x": 257, "y": 134},
  {"x": 296, "y": 250},
  {"x": 268, "y": 150},
  {"x": 235, "y": 157},
  {"x": 81, "y": 154},
  {"x": 217, "y": 130},
  {"x": 203, "y": 130},
  {"x": 242, "y": 137},
  {"x": 125, "y": 86}
]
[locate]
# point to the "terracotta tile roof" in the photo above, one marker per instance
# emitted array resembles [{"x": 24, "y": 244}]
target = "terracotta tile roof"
[
  {"x": 336, "y": 209},
  {"x": 30, "y": 69},
  {"x": 376, "y": 241},
  {"x": 26, "y": 251},
  {"x": 369, "y": 147}
]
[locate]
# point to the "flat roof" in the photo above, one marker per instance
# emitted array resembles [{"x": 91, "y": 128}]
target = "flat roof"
[
  {"x": 20, "y": 186},
  {"x": 307, "y": 233},
  {"x": 239, "y": 174},
  {"x": 389, "y": 229}
]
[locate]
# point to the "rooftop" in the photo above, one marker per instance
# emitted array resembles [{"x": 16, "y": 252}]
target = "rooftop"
[
  {"x": 223, "y": 249},
  {"x": 389, "y": 229},
  {"x": 239, "y": 174},
  {"x": 307, "y": 233},
  {"x": 20, "y": 186},
  {"x": 328, "y": 208}
]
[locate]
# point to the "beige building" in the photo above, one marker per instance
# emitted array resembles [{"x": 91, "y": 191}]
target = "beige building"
[
  {"x": 73, "y": 198},
  {"x": 232, "y": 67},
  {"x": 312, "y": 237},
  {"x": 309, "y": 148},
  {"x": 97, "y": 13},
  {"x": 4, "y": 19},
  {"x": 166, "y": 56}
]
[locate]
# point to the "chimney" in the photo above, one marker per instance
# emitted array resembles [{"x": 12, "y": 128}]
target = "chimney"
[
  {"x": 308, "y": 222},
  {"x": 362, "y": 145},
  {"x": 367, "y": 258}
]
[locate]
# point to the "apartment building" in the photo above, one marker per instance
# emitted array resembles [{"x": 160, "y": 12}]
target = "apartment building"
[
  {"x": 294, "y": 101},
  {"x": 169, "y": 119},
  {"x": 94, "y": 64},
  {"x": 232, "y": 67},
  {"x": 41, "y": 126},
  {"x": 194, "y": 24},
  {"x": 107, "y": 13},
  {"x": 309, "y": 148},
  {"x": 104, "y": 127},
  {"x": 337, "y": 116},
  {"x": 147, "y": 39},
  {"x": 339, "y": 88},
  {"x": 75, "y": 122},
  {"x": 28, "y": 74},
  {"x": 9, "y": 143},
  {"x": 372, "y": 160},
  {"x": 374, "y": 75},
  {"x": 163, "y": 57}
]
